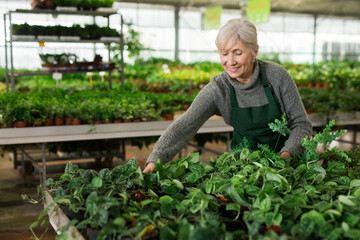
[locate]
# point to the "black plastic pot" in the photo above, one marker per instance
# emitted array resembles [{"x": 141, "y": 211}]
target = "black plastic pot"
[{"x": 80, "y": 215}]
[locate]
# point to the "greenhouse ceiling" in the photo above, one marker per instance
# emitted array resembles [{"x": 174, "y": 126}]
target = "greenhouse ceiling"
[{"x": 348, "y": 8}]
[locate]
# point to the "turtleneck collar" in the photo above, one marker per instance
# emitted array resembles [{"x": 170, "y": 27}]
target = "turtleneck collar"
[{"x": 243, "y": 86}]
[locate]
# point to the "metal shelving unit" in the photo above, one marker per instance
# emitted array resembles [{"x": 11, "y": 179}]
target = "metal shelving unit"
[{"x": 9, "y": 40}]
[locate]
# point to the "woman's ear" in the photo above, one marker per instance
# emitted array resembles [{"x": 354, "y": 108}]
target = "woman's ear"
[{"x": 256, "y": 51}]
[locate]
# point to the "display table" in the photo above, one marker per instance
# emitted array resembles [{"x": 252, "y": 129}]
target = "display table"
[
  {"x": 87, "y": 132},
  {"x": 43, "y": 135}
]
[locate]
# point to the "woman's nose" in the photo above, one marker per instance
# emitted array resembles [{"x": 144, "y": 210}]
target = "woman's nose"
[{"x": 232, "y": 60}]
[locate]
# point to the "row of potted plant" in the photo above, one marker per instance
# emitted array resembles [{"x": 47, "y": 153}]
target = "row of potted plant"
[
  {"x": 85, "y": 4},
  {"x": 328, "y": 75},
  {"x": 242, "y": 195},
  {"x": 328, "y": 103},
  {"x": 86, "y": 107},
  {"x": 86, "y": 32},
  {"x": 79, "y": 4},
  {"x": 317, "y": 100}
]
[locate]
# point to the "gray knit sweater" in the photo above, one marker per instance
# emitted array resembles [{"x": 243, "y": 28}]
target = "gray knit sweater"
[{"x": 214, "y": 99}]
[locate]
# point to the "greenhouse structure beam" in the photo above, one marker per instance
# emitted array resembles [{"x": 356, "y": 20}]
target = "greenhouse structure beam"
[{"x": 177, "y": 26}]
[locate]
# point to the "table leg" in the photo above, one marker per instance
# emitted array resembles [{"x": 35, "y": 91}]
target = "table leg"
[{"x": 23, "y": 170}]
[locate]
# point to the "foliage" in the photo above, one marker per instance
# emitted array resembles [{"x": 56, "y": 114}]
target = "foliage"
[{"x": 238, "y": 196}]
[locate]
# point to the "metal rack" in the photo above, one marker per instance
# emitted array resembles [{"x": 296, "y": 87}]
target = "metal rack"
[{"x": 9, "y": 60}]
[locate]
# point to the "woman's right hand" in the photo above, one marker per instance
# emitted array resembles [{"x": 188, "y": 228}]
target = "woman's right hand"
[{"x": 149, "y": 167}]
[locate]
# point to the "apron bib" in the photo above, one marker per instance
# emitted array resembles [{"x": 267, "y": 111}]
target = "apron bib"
[{"x": 252, "y": 122}]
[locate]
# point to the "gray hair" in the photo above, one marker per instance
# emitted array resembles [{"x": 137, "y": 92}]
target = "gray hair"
[{"x": 237, "y": 29}]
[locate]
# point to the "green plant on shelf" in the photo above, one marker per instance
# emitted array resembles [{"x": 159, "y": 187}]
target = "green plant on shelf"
[{"x": 17, "y": 111}]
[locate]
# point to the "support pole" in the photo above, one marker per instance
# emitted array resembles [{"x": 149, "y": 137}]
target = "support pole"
[
  {"x": 243, "y": 4},
  {"x": 11, "y": 57},
  {"x": 314, "y": 42},
  {"x": 122, "y": 51},
  {"x": 6, "y": 56},
  {"x": 177, "y": 18},
  {"x": 22, "y": 163},
  {"x": 42, "y": 181}
]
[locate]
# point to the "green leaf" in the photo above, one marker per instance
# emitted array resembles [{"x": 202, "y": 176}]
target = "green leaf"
[
  {"x": 178, "y": 184},
  {"x": 350, "y": 219},
  {"x": 355, "y": 183},
  {"x": 280, "y": 126},
  {"x": 146, "y": 202},
  {"x": 352, "y": 234},
  {"x": 104, "y": 174},
  {"x": 300, "y": 169},
  {"x": 265, "y": 204},
  {"x": 132, "y": 162},
  {"x": 229, "y": 190},
  {"x": 185, "y": 229},
  {"x": 306, "y": 227},
  {"x": 335, "y": 234},
  {"x": 254, "y": 156},
  {"x": 209, "y": 188},
  {"x": 347, "y": 200},
  {"x": 264, "y": 162},
  {"x": 252, "y": 190},
  {"x": 197, "y": 169},
  {"x": 191, "y": 177},
  {"x": 279, "y": 163},
  {"x": 120, "y": 221},
  {"x": 278, "y": 219},
  {"x": 170, "y": 189},
  {"x": 167, "y": 233},
  {"x": 71, "y": 168},
  {"x": 193, "y": 158},
  {"x": 345, "y": 226},
  {"x": 97, "y": 182},
  {"x": 233, "y": 207},
  {"x": 49, "y": 182},
  {"x": 244, "y": 154},
  {"x": 292, "y": 201},
  {"x": 315, "y": 218},
  {"x": 165, "y": 200},
  {"x": 269, "y": 216}
]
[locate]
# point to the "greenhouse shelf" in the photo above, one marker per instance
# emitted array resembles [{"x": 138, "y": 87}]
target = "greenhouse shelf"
[
  {"x": 104, "y": 12},
  {"x": 64, "y": 72},
  {"x": 10, "y": 38}
]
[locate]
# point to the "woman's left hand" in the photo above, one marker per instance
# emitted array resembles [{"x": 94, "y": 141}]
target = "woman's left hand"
[{"x": 285, "y": 155}]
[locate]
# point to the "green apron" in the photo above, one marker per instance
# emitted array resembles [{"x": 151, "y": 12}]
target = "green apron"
[{"x": 252, "y": 122}]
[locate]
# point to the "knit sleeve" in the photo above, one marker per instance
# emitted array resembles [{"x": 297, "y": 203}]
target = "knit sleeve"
[
  {"x": 297, "y": 118},
  {"x": 183, "y": 129}
]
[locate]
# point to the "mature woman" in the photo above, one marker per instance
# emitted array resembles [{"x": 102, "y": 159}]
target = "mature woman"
[{"x": 249, "y": 95}]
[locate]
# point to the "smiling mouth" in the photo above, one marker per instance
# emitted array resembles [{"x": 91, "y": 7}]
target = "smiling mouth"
[{"x": 233, "y": 70}]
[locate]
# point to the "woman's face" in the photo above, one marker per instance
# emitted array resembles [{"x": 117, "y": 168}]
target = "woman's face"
[{"x": 237, "y": 61}]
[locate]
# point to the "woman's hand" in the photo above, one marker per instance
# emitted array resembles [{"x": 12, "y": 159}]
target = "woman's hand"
[
  {"x": 149, "y": 168},
  {"x": 285, "y": 155}
]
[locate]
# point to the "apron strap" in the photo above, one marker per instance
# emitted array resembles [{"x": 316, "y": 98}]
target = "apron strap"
[
  {"x": 233, "y": 100},
  {"x": 266, "y": 84}
]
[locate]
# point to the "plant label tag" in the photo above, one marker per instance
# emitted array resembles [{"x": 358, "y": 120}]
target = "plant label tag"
[{"x": 57, "y": 76}]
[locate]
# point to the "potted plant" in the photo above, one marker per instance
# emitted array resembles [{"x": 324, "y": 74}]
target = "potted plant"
[
  {"x": 37, "y": 112},
  {"x": 18, "y": 113},
  {"x": 167, "y": 112},
  {"x": 59, "y": 113}
]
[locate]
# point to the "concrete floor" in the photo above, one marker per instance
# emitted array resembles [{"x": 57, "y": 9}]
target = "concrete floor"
[{"x": 16, "y": 214}]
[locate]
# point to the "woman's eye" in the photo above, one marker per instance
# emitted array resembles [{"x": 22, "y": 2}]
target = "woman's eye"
[
  {"x": 224, "y": 53},
  {"x": 238, "y": 53}
]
